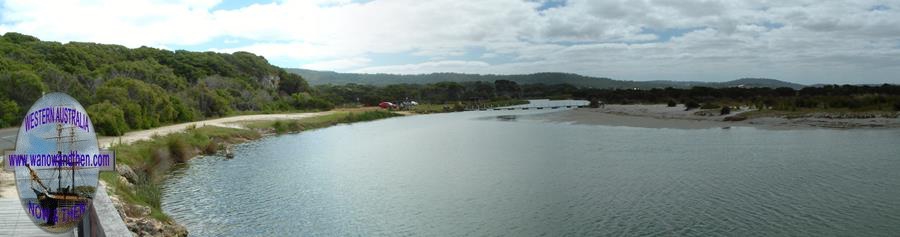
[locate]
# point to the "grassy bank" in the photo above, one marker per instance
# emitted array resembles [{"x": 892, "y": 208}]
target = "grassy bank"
[
  {"x": 452, "y": 107},
  {"x": 152, "y": 159},
  {"x": 338, "y": 117}
]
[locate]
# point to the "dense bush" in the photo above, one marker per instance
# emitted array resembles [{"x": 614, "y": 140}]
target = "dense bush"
[
  {"x": 725, "y": 110},
  {"x": 710, "y": 105},
  {"x": 149, "y": 87},
  {"x": 691, "y": 105},
  {"x": 304, "y": 100},
  {"x": 672, "y": 103},
  {"x": 107, "y": 119},
  {"x": 9, "y": 112}
]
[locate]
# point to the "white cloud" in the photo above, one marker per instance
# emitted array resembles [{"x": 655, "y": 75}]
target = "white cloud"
[
  {"x": 802, "y": 40},
  {"x": 427, "y": 67},
  {"x": 132, "y": 23}
]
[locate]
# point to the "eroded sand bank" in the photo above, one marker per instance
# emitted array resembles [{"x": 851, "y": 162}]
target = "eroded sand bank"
[{"x": 662, "y": 116}]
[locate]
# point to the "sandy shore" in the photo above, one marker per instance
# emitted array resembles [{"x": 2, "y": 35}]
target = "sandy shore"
[{"x": 662, "y": 116}]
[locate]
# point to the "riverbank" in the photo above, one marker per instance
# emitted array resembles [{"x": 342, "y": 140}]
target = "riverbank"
[
  {"x": 144, "y": 158},
  {"x": 662, "y": 116},
  {"x": 444, "y": 108}
]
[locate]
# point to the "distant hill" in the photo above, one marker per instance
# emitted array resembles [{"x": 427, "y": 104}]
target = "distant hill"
[
  {"x": 380, "y": 79},
  {"x": 743, "y": 82}
]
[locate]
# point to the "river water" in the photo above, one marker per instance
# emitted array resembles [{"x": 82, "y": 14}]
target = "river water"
[{"x": 487, "y": 174}]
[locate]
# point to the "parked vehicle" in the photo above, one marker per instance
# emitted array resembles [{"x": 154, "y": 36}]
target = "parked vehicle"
[{"x": 387, "y": 105}]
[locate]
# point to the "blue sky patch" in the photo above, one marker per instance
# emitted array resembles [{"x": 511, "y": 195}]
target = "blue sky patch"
[
  {"x": 217, "y": 43},
  {"x": 547, "y": 4},
  {"x": 233, "y": 5},
  {"x": 664, "y": 35},
  {"x": 879, "y": 7},
  {"x": 772, "y": 25}
]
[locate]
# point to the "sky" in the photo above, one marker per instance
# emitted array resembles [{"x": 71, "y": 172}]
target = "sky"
[{"x": 803, "y": 41}]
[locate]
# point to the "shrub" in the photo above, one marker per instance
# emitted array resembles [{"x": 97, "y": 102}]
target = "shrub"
[
  {"x": 280, "y": 127},
  {"x": 672, "y": 103},
  {"x": 304, "y": 101},
  {"x": 147, "y": 191},
  {"x": 211, "y": 148},
  {"x": 725, "y": 110},
  {"x": 108, "y": 119},
  {"x": 691, "y": 105},
  {"x": 459, "y": 107},
  {"x": 294, "y": 126},
  {"x": 179, "y": 148},
  {"x": 9, "y": 112},
  {"x": 710, "y": 106}
]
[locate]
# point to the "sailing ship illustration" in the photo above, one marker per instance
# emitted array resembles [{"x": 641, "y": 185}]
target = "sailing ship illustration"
[{"x": 51, "y": 199}]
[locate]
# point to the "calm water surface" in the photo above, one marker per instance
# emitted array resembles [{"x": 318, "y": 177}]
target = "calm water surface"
[{"x": 474, "y": 174}]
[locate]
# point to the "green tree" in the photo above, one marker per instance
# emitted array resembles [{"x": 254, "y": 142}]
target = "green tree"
[
  {"x": 148, "y": 71},
  {"x": 507, "y": 88},
  {"x": 292, "y": 83},
  {"x": 23, "y": 87},
  {"x": 214, "y": 103},
  {"x": 9, "y": 113},
  {"x": 145, "y": 105},
  {"x": 108, "y": 119},
  {"x": 305, "y": 101}
]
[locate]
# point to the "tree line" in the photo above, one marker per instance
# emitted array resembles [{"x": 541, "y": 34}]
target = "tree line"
[
  {"x": 125, "y": 89},
  {"x": 853, "y": 97}
]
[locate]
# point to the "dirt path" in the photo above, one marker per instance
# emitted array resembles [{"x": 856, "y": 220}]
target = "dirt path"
[{"x": 231, "y": 122}]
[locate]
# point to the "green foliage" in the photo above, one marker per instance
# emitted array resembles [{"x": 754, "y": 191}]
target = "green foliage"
[
  {"x": 691, "y": 105},
  {"x": 214, "y": 103},
  {"x": 725, "y": 110},
  {"x": 23, "y": 87},
  {"x": 61, "y": 81},
  {"x": 148, "y": 191},
  {"x": 19, "y": 38},
  {"x": 305, "y": 101},
  {"x": 148, "y": 71},
  {"x": 145, "y": 105},
  {"x": 107, "y": 119},
  {"x": 710, "y": 106},
  {"x": 285, "y": 126},
  {"x": 9, "y": 112},
  {"x": 152, "y": 159},
  {"x": 179, "y": 149},
  {"x": 151, "y": 87},
  {"x": 367, "y": 116},
  {"x": 507, "y": 88},
  {"x": 292, "y": 83},
  {"x": 855, "y": 98}
]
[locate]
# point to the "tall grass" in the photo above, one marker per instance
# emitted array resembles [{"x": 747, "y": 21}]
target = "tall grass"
[
  {"x": 151, "y": 160},
  {"x": 286, "y": 126}
]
